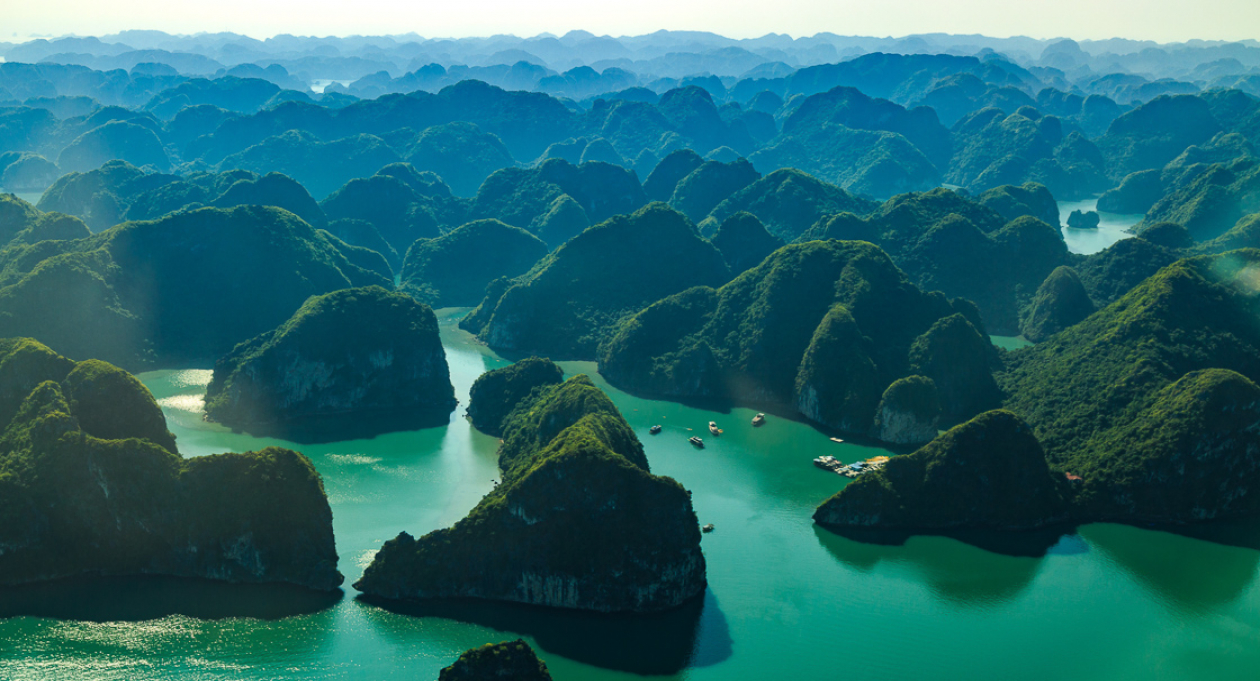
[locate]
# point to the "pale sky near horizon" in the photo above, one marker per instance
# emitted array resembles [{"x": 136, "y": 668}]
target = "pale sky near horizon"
[{"x": 1159, "y": 20}]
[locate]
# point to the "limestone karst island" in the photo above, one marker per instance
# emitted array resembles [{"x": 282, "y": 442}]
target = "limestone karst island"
[{"x": 690, "y": 341}]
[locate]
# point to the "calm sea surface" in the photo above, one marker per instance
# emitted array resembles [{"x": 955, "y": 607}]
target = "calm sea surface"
[{"x": 785, "y": 598}]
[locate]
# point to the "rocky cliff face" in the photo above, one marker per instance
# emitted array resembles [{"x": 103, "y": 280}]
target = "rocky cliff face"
[
  {"x": 513, "y": 660},
  {"x": 575, "y": 523},
  {"x": 989, "y": 472},
  {"x": 837, "y": 383},
  {"x": 92, "y": 484},
  {"x": 356, "y": 350},
  {"x": 908, "y": 412},
  {"x": 958, "y": 359}
]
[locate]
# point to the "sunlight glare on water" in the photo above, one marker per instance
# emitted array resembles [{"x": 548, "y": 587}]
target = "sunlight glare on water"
[{"x": 1111, "y": 602}]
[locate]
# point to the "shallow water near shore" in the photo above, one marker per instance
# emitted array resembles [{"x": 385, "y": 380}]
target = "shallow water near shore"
[{"x": 785, "y": 597}]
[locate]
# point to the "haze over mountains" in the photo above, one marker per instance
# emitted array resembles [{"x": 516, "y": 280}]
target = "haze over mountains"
[{"x": 554, "y": 64}]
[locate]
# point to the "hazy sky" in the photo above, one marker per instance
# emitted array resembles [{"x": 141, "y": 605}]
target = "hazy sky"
[{"x": 1161, "y": 20}]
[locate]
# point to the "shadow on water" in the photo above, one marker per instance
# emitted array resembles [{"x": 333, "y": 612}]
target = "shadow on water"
[
  {"x": 340, "y": 428},
  {"x": 695, "y": 634},
  {"x": 726, "y": 406},
  {"x": 1189, "y": 573},
  {"x": 1024, "y": 544},
  {"x": 955, "y": 571},
  {"x": 1240, "y": 532},
  {"x": 135, "y": 599}
]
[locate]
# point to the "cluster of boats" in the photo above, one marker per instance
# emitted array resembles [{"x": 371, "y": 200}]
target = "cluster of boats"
[
  {"x": 830, "y": 463},
  {"x": 757, "y": 421}
]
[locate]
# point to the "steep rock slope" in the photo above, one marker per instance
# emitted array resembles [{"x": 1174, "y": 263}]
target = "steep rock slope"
[
  {"x": 359, "y": 350},
  {"x": 578, "y": 522},
  {"x": 91, "y": 482}
]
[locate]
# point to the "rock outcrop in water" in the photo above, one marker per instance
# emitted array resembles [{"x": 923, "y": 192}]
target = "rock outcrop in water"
[
  {"x": 361, "y": 350},
  {"x": 91, "y": 483},
  {"x": 989, "y": 472},
  {"x": 578, "y": 521},
  {"x": 1086, "y": 220},
  {"x": 509, "y": 660},
  {"x": 495, "y": 393}
]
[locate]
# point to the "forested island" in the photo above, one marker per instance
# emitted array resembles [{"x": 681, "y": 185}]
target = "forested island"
[
  {"x": 577, "y": 522},
  {"x": 351, "y": 352},
  {"x": 93, "y": 484}
]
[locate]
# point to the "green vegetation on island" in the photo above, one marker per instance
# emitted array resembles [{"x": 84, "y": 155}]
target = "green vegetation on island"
[
  {"x": 454, "y": 269},
  {"x": 989, "y": 472},
  {"x": 354, "y": 351},
  {"x": 528, "y": 197},
  {"x": 1150, "y": 400},
  {"x": 461, "y": 154},
  {"x": 575, "y": 297},
  {"x": 788, "y": 202},
  {"x": 947, "y": 242},
  {"x": 169, "y": 291},
  {"x": 1015, "y": 201},
  {"x": 1059, "y": 303},
  {"x": 908, "y": 411},
  {"x": 744, "y": 241},
  {"x": 710, "y": 184},
  {"x": 822, "y": 326},
  {"x": 513, "y": 660},
  {"x": 495, "y": 393},
  {"x": 91, "y": 483},
  {"x": 577, "y": 522}
]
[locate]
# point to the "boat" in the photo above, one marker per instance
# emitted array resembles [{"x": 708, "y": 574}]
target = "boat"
[
  {"x": 707, "y": 528},
  {"x": 827, "y": 463},
  {"x": 759, "y": 420},
  {"x": 714, "y": 429},
  {"x": 836, "y": 439},
  {"x": 654, "y": 430},
  {"x": 696, "y": 441}
]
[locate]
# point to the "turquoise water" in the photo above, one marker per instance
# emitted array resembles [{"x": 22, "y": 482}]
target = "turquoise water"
[
  {"x": 1112, "y": 227},
  {"x": 785, "y": 598},
  {"x": 1010, "y": 342}
]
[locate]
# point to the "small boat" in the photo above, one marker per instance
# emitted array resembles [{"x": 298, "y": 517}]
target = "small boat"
[
  {"x": 696, "y": 441},
  {"x": 836, "y": 439},
  {"x": 707, "y": 528},
  {"x": 759, "y": 420},
  {"x": 714, "y": 429},
  {"x": 654, "y": 430}
]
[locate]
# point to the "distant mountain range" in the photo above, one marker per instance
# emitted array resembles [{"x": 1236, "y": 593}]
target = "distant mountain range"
[{"x": 578, "y": 63}]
